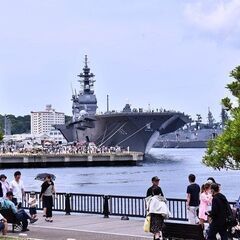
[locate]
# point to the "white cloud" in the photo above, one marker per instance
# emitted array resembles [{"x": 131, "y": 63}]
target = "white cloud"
[{"x": 215, "y": 16}]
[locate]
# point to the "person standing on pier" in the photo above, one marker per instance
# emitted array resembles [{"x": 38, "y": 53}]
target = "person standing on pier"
[
  {"x": 5, "y": 184},
  {"x": 155, "y": 184},
  {"x": 156, "y": 206},
  {"x": 193, "y": 191},
  {"x": 46, "y": 195},
  {"x": 218, "y": 214},
  {"x": 17, "y": 187},
  {"x": 205, "y": 203}
]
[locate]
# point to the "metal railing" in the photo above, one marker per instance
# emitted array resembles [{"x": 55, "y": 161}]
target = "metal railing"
[{"x": 130, "y": 206}]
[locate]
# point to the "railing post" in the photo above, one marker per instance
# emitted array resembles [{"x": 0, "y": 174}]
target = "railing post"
[
  {"x": 67, "y": 204},
  {"x": 106, "y": 206}
]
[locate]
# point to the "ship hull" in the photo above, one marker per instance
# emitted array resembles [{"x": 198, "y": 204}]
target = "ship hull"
[
  {"x": 133, "y": 131},
  {"x": 182, "y": 144}
]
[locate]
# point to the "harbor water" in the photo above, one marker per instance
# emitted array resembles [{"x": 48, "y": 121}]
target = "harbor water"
[{"x": 172, "y": 166}]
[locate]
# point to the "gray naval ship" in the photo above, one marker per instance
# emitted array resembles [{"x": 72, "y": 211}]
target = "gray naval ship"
[
  {"x": 132, "y": 129},
  {"x": 195, "y": 134}
]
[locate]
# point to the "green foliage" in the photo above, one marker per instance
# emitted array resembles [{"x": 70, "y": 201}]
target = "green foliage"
[
  {"x": 224, "y": 151},
  {"x": 21, "y": 124},
  {"x": 1, "y": 136}
]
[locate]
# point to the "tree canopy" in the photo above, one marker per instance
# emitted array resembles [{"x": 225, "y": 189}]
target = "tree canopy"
[
  {"x": 224, "y": 150},
  {"x": 21, "y": 124}
]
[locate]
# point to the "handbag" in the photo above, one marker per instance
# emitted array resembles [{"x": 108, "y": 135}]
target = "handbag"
[{"x": 146, "y": 226}]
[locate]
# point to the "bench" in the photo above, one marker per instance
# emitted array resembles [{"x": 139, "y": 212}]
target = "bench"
[
  {"x": 11, "y": 218},
  {"x": 173, "y": 230}
]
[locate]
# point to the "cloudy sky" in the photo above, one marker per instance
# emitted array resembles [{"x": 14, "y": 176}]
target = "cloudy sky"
[{"x": 170, "y": 54}]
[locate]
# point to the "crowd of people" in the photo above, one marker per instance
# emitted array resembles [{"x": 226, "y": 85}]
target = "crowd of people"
[
  {"x": 61, "y": 149},
  {"x": 12, "y": 196},
  {"x": 206, "y": 205}
]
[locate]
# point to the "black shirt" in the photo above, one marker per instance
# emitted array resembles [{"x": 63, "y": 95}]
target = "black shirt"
[
  {"x": 149, "y": 191},
  {"x": 194, "y": 191},
  {"x": 219, "y": 209}
]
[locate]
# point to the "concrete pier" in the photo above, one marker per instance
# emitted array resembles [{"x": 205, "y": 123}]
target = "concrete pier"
[
  {"x": 86, "y": 227},
  {"x": 22, "y": 160}
]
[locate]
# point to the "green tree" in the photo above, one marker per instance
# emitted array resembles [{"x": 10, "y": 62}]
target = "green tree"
[{"x": 224, "y": 151}]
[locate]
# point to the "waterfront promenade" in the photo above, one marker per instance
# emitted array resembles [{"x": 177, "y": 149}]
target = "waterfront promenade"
[{"x": 87, "y": 227}]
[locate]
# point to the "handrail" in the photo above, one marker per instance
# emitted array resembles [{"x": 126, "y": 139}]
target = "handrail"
[{"x": 116, "y": 205}]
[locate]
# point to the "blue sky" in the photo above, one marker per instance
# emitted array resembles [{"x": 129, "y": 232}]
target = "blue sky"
[{"x": 170, "y": 54}]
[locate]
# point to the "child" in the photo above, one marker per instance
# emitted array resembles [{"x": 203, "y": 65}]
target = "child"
[
  {"x": 32, "y": 205},
  {"x": 205, "y": 203}
]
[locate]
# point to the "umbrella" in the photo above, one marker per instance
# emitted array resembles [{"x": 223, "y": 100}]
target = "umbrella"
[{"x": 42, "y": 176}]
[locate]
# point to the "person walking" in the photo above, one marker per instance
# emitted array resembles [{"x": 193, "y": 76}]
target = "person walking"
[
  {"x": 205, "y": 203},
  {"x": 193, "y": 191},
  {"x": 5, "y": 185},
  {"x": 218, "y": 214},
  {"x": 17, "y": 188},
  {"x": 157, "y": 208},
  {"x": 46, "y": 195},
  {"x": 155, "y": 184}
]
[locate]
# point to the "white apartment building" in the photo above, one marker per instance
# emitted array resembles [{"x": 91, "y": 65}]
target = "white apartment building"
[{"x": 43, "y": 121}]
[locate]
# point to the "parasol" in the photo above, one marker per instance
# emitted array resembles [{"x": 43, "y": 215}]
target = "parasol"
[{"x": 42, "y": 176}]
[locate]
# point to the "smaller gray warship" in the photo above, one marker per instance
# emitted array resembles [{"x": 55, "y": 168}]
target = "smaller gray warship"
[
  {"x": 132, "y": 129},
  {"x": 194, "y": 135}
]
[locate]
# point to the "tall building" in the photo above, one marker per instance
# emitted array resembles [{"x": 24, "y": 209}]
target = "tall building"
[{"x": 43, "y": 121}]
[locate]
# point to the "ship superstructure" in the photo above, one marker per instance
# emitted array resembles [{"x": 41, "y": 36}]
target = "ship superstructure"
[{"x": 133, "y": 129}]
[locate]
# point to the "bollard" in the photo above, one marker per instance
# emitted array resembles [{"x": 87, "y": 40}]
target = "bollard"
[
  {"x": 106, "y": 206},
  {"x": 124, "y": 218},
  {"x": 67, "y": 204}
]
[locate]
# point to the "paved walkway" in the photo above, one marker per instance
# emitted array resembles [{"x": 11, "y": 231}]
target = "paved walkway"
[{"x": 87, "y": 227}]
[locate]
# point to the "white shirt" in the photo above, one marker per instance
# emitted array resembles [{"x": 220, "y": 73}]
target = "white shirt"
[
  {"x": 157, "y": 205},
  {"x": 32, "y": 202},
  {"x": 17, "y": 188}
]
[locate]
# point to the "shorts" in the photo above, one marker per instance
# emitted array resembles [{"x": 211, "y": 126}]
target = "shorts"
[
  {"x": 33, "y": 211},
  {"x": 1, "y": 226}
]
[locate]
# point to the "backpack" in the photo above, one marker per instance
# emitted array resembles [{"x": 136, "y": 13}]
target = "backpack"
[{"x": 231, "y": 221}]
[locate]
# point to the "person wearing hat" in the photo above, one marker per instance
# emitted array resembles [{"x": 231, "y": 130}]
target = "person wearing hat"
[
  {"x": 155, "y": 184},
  {"x": 4, "y": 184},
  {"x": 20, "y": 214}
]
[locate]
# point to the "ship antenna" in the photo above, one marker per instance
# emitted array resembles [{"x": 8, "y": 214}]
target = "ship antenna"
[{"x": 86, "y": 61}]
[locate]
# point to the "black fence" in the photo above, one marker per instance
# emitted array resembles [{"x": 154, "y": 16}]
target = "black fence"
[{"x": 130, "y": 206}]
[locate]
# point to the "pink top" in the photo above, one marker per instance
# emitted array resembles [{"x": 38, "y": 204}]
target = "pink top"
[{"x": 205, "y": 204}]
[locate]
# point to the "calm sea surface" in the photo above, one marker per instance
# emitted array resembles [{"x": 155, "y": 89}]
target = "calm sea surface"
[{"x": 172, "y": 166}]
